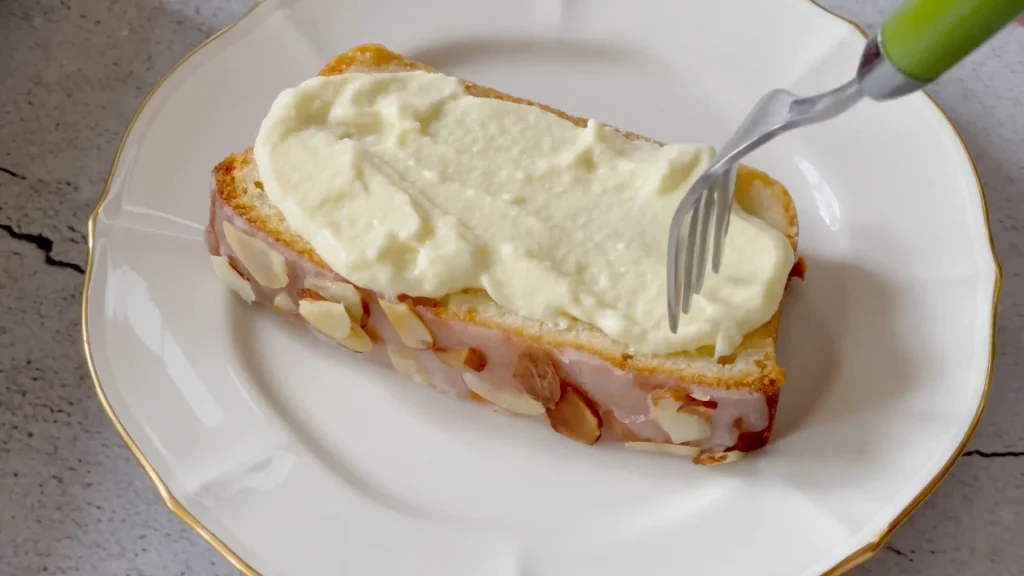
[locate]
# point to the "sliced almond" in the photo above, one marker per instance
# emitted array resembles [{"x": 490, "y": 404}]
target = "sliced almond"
[
  {"x": 403, "y": 359},
  {"x": 463, "y": 358},
  {"x": 683, "y": 423},
  {"x": 712, "y": 458},
  {"x": 419, "y": 301},
  {"x": 536, "y": 374},
  {"x": 233, "y": 262},
  {"x": 331, "y": 319},
  {"x": 503, "y": 396},
  {"x": 307, "y": 294},
  {"x": 405, "y": 363},
  {"x": 799, "y": 269},
  {"x": 267, "y": 266},
  {"x": 284, "y": 303},
  {"x": 343, "y": 293},
  {"x": 468, "y": 301},
  {"x": 238, "y": 284},
  {"x": 407, "y": 323},
  {"x": 358, "y": 340},
  {"x": 674, "y": 449},
  {"x": 573, "y": 416},
  {"x": 726, "y": 360}
]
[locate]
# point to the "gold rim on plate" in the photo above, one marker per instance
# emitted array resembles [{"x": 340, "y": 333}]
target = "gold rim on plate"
[{"x": 857, "y": 557}]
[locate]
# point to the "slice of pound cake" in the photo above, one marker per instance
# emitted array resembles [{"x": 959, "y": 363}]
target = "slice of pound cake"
[{"x": 503, "y": 251}]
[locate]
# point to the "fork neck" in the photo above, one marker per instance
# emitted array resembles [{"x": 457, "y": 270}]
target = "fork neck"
[
  {"x": 825, "y": 106},
  {"x": 878, "y": 78}
]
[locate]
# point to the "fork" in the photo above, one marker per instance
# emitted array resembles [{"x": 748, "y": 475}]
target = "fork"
[{"x": 919, "y": 42}]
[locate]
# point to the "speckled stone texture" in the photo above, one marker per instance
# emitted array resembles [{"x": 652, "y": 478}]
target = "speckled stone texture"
[{"x": 73, "y": 500}]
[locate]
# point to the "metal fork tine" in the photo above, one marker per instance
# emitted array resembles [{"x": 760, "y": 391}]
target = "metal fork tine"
[
  {"x": 688, "y": 254},
  {"x": 775, "y": 113},
  {"x": 675, "y": 283},
  {"x": 718, "y": 234},
  {"x": 677, "y": 257},
  {"x": 703, "y": 241},
  {"x": 731, "y": 192},
  {"x": 724, "y": 188}
]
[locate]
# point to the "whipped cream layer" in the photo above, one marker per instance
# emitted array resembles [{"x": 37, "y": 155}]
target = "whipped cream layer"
[{"x": 406, "y": 184}]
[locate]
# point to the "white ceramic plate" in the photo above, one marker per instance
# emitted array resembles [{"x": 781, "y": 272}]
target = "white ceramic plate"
[{"x": 292, "y": 458}]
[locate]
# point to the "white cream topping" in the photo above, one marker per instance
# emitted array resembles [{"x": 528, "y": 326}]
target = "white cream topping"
[{"x": 405, "y": 184}]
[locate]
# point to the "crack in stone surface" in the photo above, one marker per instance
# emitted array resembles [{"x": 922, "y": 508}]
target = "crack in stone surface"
[
  {"x": 899, "y": 553},
  {"x": 43, "y": 243},
  {"x": 983, "y": 454},
  {"x": 12, "y": 173}
]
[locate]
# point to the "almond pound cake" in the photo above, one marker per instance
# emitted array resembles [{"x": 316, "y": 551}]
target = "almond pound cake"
[{"x": 557, "y": 317}]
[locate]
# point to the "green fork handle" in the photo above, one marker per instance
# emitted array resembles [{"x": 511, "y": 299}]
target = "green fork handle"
[{"x": 925, "y": 38}]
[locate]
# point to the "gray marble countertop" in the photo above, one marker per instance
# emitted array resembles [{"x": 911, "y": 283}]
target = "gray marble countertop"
[{"x": 72, "y": 498}]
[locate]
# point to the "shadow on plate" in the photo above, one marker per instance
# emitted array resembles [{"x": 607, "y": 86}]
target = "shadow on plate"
[
  {"x": 839, "y": 336},
  {"x": 445, "y": 55},
  {"x": 844, "y": 346},
  {"x": 256, "y": 371}
]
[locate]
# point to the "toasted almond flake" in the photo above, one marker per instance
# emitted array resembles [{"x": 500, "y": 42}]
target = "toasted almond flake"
[
  {"x": 419, "y": 301},
  {"x": 284, "y": 303},
  {"x": 343, "y": 293},
  {"x": 357, "y": 340},
  {"x": 407, "y": 324},
  {"x": 726, "y": 359},
  {"x": 310, "y": 294},
  {"x": 405, "y": 362},
  {"x": 683, "y": 423},
  {"x": 799, "y": 269},
  {"x": 267, "y": 266},
  {"x": 535, "y": 372},
  {"x": 468, "y": 301},
  {"x": 403, "y": 359},
  {"x": 503, "y": 396},
  {"x": 234, "y": 280},
  {"x": 328, "y": 317},
  {"x": 463, "y": 358},
  {"x": 574, "y": 416},
  {"x": 712, "y": 458},
  {"x": 233, "y": 262},
  {"x": 674, "y": 449}
]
